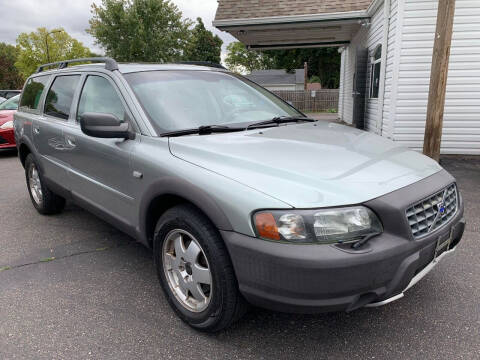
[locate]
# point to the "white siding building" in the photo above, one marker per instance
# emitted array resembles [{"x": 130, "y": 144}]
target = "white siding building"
[{"x": 386, "y": 48}]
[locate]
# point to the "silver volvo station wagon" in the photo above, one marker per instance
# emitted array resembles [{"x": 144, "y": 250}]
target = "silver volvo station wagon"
[{"x": 243, "y": 199}]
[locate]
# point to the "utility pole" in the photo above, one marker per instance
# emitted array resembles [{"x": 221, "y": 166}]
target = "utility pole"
[
  {"x": 305, "y": 81},
  {"x": 46, "y": 45},
  {"x": 46, "y": 41},
  {"x": 438, "y": 79}
]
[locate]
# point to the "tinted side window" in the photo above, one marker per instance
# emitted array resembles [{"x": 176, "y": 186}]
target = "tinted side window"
[
  {"x": 32, "y": 92},
  {"x": 60, "y": 96},
  {"x": 99, "y": 96}
]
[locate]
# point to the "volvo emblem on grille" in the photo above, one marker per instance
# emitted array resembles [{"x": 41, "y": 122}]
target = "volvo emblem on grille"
[{"x": 440, "y": 210}]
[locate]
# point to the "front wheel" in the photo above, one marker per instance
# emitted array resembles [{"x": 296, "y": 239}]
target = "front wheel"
[{"x": 195, "y": 270}]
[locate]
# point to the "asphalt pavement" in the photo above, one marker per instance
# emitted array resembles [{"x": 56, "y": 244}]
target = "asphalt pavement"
[{"x": 73, "y": 287}]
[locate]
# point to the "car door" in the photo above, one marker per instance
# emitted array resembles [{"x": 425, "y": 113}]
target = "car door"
[
  {"x": 47, "y": 127},
  {"x": 100, "y": 169}
]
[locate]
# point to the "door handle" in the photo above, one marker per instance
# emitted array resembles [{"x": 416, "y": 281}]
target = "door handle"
[{"x": 36, "y": 130}]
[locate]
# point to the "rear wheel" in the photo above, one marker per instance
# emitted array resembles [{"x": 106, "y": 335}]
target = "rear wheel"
[
  {"x": 195, "y": 270},
  {"x": 43, "y": 199}
]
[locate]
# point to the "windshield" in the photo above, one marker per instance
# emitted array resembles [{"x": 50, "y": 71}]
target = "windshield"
[
  {"x": 177, "y": 100},
  {"x": 10, "y": 104}
]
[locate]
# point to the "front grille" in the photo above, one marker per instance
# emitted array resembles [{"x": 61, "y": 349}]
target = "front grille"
[
  {"x": 3, "y": 141},
  {"x": 427, "y": 216}
]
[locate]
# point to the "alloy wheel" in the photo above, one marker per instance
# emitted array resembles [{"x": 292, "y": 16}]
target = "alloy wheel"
[
  {"x": 187, "y": 270},
  {"x": 35, "y": 184}
]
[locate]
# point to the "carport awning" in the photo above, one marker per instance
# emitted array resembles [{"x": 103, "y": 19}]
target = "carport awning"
[
  {"x": 295, "y": 35},
  {"x": 292, "y": 27}
]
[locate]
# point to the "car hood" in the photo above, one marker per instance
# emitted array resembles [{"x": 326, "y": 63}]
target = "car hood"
[
  {"x": 6, "y": 115},
  {"x": 308, "y": 165}
]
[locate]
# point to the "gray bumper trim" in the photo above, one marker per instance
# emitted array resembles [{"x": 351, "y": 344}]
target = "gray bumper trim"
[
  {"x": 311, "y": 279},
  {"x": 414, "y": 280}
]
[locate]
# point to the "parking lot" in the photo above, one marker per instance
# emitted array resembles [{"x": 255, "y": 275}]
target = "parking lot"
[{"x": 73, "y": 287}]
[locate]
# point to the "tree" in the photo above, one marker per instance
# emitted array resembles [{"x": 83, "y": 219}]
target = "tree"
[
  {"x": 240, "y": 59},
  {"x": 203, "y": 45},
  {"x": 140, "y": 30},
  {"x": 43, "y": 46},
  {"x": 10, "y": 78},
  {"x": 322, "y": 62}
]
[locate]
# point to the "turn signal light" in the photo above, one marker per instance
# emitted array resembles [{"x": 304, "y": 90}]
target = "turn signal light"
[{"x": 266, "y": 226}]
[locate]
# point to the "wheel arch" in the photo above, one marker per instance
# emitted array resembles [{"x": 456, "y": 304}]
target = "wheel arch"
[
  {"x": 23, "y": 150},
  {"x": 167, "y": 193}
]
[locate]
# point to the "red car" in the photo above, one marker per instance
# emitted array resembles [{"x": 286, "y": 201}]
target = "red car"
[{"x": 7, "y": 109}]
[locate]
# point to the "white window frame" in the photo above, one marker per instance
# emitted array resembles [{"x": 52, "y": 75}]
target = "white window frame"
[{"x": 374, "y": 62}]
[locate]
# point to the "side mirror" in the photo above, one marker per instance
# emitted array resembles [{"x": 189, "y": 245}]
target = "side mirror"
[{"x": 104, "y": 126}]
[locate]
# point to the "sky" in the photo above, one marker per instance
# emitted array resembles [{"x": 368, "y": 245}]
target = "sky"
[{"x": 19, "y": 16}]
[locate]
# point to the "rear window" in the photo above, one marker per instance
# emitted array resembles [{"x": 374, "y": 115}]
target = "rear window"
[
  {"x": 60, "y": 96},
  {"x": 11, "y": 94},
  {"x": 10, "y": 104},
  {"x": 33, "y": 92}
]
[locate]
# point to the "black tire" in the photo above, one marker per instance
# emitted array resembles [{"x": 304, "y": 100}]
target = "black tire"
[
  {"x": 226, "y": 303},
  {"x": 50, "y": 202}
]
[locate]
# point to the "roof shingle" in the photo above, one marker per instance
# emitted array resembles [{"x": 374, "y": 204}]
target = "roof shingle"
[{"x": 249, "y": 9}]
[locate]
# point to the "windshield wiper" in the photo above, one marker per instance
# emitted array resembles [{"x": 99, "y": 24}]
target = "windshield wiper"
[
  {"x": 202, "y": 130},
  {"x": 278, "y": 121},
  {"x": 210, "y": 129}
]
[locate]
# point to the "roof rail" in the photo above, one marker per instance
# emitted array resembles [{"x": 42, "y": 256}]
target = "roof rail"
[
  {"x": 110, "y": 64},
  {"x": 203, "y": 63}
]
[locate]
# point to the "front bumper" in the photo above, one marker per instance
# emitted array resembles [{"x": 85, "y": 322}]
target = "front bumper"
[
  {"x": 419, "y": 276},
  {"x": 7, "y": 139},
  {"x": 322, "y": 278}
]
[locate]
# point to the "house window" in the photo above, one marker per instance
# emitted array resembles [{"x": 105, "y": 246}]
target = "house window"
[{"x": 375, "y": 72}]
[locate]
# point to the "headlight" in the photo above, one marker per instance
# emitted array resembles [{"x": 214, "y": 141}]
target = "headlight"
[
  {"x": 345, "y": 224},
  {"x": 7, "y": 125},
  {"x": 325, "y": 226}
]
